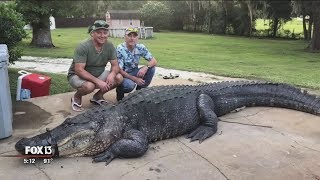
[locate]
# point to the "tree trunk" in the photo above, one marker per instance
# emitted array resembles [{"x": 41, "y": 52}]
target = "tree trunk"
[
  {"x": 304, "y": 22},
  {"x": 305, "y": 34},
  {"x": 209, "y": 18},
  {"x": 315, "y": 40},
  {"x": 179, "y": 24},
  {"x": 194, "y": 18},
  {"x": 225, "y": 17},
  {"x": 250, "y": 15},
  {"x": 275, "y": 27},
  {"x": 310, "y": 27},
  {"x": 41, "y": 34}
]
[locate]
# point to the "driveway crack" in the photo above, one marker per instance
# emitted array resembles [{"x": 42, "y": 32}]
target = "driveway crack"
[
  {"x": 205, "y": 159},
  {"x": 297, "y": 142},
  {"x": 42, "y": 171}
]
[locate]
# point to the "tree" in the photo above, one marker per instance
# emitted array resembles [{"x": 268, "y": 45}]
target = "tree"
[
  {"x": 218, "y": 17},
  {"x": 239, "y": 18},
  {"x": 156, "y": 14},
  {"x": 311, "y": 9},
  {"x": 315, "y": 40},
  {"x": 11, "y": 30},
  {"x": 126, "y": 5},
  {"x": 253, "y": 6},
  {"x": 37, "y": 13},
  {"x": 180, "y": 14},
  {"x": 304, "y": 9},
  {"x": 197, "y": 14},
  {"x": 84, "y": 8},
  {"x": 279, "y": 12},
  {"x": 226, "y": 6}
]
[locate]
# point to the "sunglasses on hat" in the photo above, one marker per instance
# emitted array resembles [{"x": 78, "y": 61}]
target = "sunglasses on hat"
[{"x": 135, "y": 30}]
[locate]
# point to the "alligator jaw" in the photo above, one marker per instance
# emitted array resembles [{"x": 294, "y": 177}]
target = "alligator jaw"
[{"x": 44, "y": 139}]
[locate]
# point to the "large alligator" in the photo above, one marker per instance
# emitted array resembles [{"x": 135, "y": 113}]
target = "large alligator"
[{"x": 126, "y": 128}]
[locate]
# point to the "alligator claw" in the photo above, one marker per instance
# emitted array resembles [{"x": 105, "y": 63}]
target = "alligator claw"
[
  {"x": 201, "y": 133},
  {"x": 104, "y": 157}
]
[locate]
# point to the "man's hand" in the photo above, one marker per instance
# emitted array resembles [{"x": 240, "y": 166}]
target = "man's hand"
[
  {"x": 111, "y": 79},
  {"x": 139, "y": 81},
  {"x": 103, "y": 86},
  {"x": 142, "y": 71}
]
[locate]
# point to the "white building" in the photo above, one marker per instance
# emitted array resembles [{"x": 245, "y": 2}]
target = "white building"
[
  {"x": 122, "y": 18},
  {"x": 119, "y": 20}
]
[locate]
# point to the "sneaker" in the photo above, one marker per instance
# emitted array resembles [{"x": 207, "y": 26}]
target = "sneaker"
[{"x": 120, "y": 94}]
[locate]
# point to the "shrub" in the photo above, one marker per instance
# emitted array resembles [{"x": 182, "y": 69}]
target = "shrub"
[
  {"x": 11, "y": 29},
  {"x": 155, "y": 14}
]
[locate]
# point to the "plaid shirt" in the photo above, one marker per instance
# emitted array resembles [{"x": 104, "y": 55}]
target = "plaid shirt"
[{"x": 130, "y": 60}]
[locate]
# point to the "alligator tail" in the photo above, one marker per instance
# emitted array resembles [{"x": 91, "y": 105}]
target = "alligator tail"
[{"x": 266, "y": 94}]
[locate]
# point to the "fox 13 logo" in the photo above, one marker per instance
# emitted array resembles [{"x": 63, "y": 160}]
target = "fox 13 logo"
[{"x": 40, "y": 151}]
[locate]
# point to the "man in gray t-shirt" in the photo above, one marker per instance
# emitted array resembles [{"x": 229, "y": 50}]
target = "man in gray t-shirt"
[{"x": 87, "y": 71}]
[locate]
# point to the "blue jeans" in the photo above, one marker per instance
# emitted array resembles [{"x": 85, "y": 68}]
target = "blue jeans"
[{"x": 128, "y": 85}]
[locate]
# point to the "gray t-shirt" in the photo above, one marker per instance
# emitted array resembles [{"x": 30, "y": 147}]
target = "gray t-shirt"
[{"x": 95, "y": 62}]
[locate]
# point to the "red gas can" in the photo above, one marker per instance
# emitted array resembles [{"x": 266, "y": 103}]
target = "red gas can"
[{"x": 38, "y": 84}]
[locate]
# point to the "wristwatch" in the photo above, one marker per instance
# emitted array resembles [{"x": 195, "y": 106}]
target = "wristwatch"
[{"x": 149, "y": 67}]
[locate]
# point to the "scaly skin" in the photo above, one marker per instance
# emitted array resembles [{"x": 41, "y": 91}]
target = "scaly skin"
[{"x": 156, "y": 113}]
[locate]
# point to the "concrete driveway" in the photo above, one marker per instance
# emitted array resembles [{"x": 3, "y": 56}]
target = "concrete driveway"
[{"x": 255, "y": 143}]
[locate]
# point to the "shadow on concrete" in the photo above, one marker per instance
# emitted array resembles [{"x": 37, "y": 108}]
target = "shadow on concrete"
[{"x": 27, "y": 115}]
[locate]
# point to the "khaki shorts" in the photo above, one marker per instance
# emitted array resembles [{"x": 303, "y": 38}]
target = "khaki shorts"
[{"x": 75, "y": 81}]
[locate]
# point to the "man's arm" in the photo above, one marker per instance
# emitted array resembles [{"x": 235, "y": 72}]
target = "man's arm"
[
  {"x": 113, "y": 72},
  {"x": 145, "y": 53},
  {"x": 137, "y": 80},
  {"x": 120, "y": 56},
  {"x": 153, "y": 62},
  {"x": 144, "y": 69},
  {"x": 115, "y": 69}
]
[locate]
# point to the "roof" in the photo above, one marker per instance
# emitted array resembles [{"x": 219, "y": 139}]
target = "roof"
[{"x": 124, "y": 14}]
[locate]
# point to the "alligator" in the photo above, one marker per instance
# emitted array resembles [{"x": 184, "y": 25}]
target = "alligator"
[{"x": 125, "y": 129}]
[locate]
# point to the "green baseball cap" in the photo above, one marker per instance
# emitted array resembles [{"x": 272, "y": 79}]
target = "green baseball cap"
[{"x": 98, "y": 24}]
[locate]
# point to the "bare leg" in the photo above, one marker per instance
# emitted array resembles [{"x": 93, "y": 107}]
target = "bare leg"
[
  {"x": 118, "y": 81},
  {"x": 85, "y": 89}
]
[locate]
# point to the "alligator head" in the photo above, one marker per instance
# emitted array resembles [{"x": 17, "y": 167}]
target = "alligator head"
[{"x": 78, "y": 136}]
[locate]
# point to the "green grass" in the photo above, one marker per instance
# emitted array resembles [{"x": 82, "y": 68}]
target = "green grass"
[
  {"x": 273, "y": 60},
  {"x": 59, "y": 83}
]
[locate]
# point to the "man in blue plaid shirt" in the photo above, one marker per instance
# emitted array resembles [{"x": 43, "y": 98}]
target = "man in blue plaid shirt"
[{"x": 129, "y": 54}]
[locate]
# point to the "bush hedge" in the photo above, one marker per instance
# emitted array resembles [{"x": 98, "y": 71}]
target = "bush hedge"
[{"x": 11, "y": 29}]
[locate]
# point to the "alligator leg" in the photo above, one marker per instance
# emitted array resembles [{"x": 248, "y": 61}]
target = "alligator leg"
[
  {"x": 133, "y": 144},
  {"x": 208, "y": 119}
]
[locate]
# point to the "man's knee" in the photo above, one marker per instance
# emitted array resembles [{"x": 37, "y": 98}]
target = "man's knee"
[
  {"x": 119, "y": 79},
  {"x": 88, "y": 87},
  {"x": 151, "y": 71},
  {"x": 149, "y": 76},
  {"x": 128, "y": 85},
  {"x": 128, "y": 89}
]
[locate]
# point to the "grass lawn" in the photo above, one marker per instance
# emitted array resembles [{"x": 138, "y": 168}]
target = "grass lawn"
[
  {"x": 273, "y": 60},
  {"x": 59, "y": 83}
]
